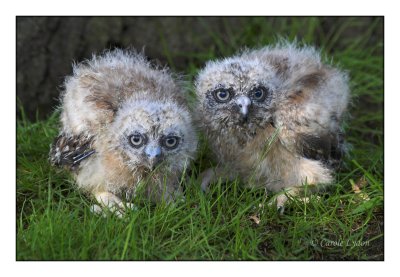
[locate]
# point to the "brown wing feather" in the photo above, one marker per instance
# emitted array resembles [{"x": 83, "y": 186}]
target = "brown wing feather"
[{"x": 70, "y": 151}]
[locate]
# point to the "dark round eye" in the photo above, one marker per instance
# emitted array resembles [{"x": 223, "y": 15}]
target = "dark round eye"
[
  {"x": 222, "y": 95},
  {"x": 136, "y": 140},
  {"x": 171, "y": 142},
  {"x": 259, "y": 93}
]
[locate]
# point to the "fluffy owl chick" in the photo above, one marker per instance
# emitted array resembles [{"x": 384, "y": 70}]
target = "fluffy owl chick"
[
  {"x": 273, "y": 117},
  {"x": 124, "y": 123}
]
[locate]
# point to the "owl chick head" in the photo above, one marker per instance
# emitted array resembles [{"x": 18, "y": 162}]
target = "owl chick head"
[
  {"x": 153, "y": 134},
  {"x": 236, "y": 93}
]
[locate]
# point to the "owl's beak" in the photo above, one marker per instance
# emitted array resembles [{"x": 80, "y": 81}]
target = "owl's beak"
[
  {"x": 243, "y": 102},
  {"x": 153, "y": 154}
]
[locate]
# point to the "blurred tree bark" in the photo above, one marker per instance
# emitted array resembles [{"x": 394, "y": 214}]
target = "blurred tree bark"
[{"x": 47, "y": 46}]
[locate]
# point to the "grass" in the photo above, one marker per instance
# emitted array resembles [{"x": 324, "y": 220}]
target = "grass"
[{"x": 54, "y": 221}]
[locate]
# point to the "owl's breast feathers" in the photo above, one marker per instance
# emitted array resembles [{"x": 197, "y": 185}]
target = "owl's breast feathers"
[
  {"x": 69, "y": 151},
  {"x": 328, "y": 148}
]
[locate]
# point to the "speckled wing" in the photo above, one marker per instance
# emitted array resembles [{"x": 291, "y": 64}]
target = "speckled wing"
[{"x": 69, "y": 151}]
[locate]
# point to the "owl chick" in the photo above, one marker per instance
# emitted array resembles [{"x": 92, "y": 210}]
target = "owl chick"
[
  {"x": 124, "y": 123},
  {"x": 273, "y": 117}
]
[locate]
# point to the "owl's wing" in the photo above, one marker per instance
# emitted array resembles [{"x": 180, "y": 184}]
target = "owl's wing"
[
  {"x": 327, "y": 148},
  {"x": 310, "y": 113},
  {"x": 69, "y": 151}
]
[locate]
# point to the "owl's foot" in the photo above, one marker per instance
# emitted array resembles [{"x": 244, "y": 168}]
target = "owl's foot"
[
  {"x": 280, "y": 203},
  {"x": 109, "y": 203},
  {"x": 290, "y": 193},
  {"x": 280, "y": 200},
  {"x": 213, "y": 175},
  {"x": 206, "y": 177}
]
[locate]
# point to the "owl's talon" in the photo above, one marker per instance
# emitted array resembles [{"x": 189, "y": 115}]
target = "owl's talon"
[
  {"x": 279, "y": 202},
  {"x": 128, "y": 206},
  {"x": 118, "y": 211},
  {"x": 280, "y": 209},
  {"x": 109, "y": 203},
  {"x": 96, "y": 209}
]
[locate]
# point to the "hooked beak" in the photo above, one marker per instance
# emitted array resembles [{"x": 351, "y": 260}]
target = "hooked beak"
[
  {"x": 153, "y": 154},
  {"x": 243, "y": 102}
]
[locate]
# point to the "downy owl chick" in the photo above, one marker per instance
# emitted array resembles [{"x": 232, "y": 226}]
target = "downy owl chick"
[
  {"x": 273, "y": 117},
  {"x": 124, "y": 123}
]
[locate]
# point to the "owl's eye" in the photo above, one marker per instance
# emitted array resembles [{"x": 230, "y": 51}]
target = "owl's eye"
[
  {"x": 222, "y": 95},
  {"x": 259, "y": 93},
  {"x": 171, "y": 142},
  {"x": 137, "y": 140}
]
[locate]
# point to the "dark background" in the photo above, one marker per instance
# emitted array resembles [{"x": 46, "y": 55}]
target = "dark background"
[{"x": 47, "y": 46}]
